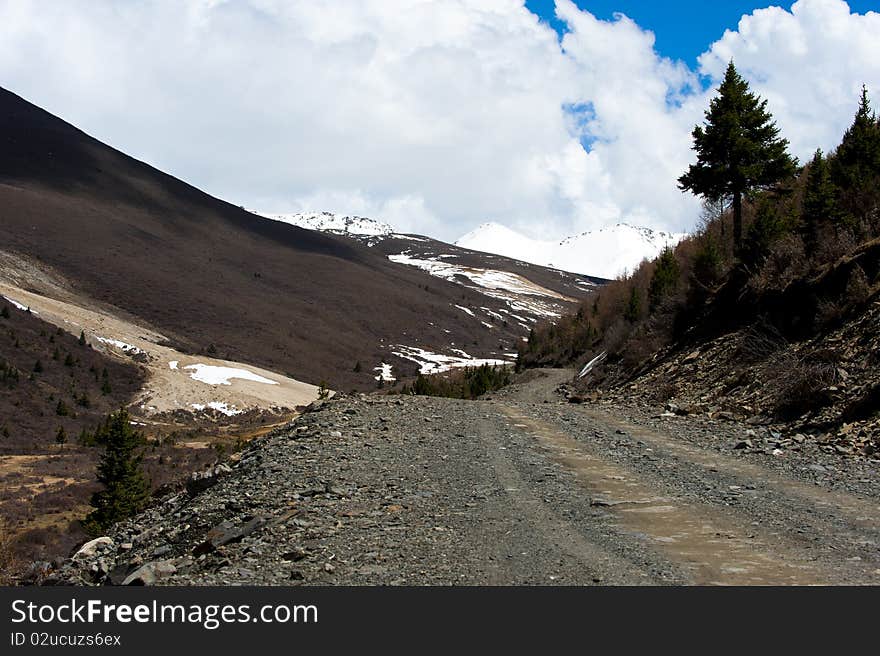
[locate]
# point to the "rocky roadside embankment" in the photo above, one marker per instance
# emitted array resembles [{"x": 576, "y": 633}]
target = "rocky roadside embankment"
[{"x": 824, "y": 391}]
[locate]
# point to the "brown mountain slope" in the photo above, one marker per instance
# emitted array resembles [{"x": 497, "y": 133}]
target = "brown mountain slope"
[
  {"x": 205, "y": 272},
  {"x": 50, "y": 381}
]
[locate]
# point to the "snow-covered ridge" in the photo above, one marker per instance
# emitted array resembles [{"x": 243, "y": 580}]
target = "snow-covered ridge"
[
  {"x": 339, "y": 224},
  {"x": 607, "y": 252},
  {"x": 518, "y": 293}
]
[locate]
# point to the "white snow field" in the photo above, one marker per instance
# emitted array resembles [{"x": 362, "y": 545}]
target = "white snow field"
[
  {"x": 606, "y": 253},
  {"x": 16, "y": 304},
  {"x": 340, "y": 224},
  {"x": 213, "y": 375}
]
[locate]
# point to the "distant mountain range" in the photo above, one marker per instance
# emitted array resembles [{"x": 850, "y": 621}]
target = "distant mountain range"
[{"x": 605, "y": 253}]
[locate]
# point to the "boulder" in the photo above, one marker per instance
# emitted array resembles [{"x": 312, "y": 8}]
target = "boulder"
[
  {"x": 91, "y": 548},
  {"x": 149, "y": 573},
  {"x": 226, "y": 533},
  {"x": 201, "y": 481}
]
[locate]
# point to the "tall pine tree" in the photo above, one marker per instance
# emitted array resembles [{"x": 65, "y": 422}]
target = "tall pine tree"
[
  {"x": 856, "y": 165},
  {"x": 125, "y": 488},
  {"x": 820, "y": 202},
  {"x": 738, "y": 149}
]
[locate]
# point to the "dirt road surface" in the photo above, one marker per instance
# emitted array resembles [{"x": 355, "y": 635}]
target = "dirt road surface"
[{"x": 519, "y": 488}]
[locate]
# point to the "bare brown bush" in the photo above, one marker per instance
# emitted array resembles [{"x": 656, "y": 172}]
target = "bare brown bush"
[
  {"x": 786, "y": 263},
  {"x": 833, "y": 245},
  {"x": 802, "y": 386},
  {"x": 760, "y": 342},
  {"x": 664, "y": 392}
]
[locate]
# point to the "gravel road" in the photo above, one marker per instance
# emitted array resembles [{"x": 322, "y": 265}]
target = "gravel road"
[{"x": 518, "y": 488}]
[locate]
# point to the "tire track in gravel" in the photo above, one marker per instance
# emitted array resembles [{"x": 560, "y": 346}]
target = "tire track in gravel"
[
  {"x": 566, "y": 551},
  {"x": 713, "y": 546},
  {"x": 864, "y": 513}
]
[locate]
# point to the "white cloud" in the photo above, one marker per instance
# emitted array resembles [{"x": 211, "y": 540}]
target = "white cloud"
[
  {"x": 810, "y": 64},
  {"x": 434, "y": 115}
]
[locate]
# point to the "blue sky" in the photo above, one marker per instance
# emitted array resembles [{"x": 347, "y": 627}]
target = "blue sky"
[{"x": 683, "y": 28}]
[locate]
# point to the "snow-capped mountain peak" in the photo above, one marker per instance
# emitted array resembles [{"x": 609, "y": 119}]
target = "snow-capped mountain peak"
[
  {"x": 340, "y": 224},
  {"x": 606, "y": 252}
]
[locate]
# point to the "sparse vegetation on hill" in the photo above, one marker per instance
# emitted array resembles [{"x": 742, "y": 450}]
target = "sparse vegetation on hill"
[
  {"x": 808, "y": 263},
  {"x": 44, "y": 393},
  {"x": 467, "y": 383}
]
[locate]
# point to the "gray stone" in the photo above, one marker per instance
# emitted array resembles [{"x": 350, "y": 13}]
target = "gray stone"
[
  {"x": 93, "y": 547},
  {"x": 226, "y": 533},
  {"x": 295, "y": 555},
  {"x": 149, "y": 573},
  {"x": 201, "y": 481}
]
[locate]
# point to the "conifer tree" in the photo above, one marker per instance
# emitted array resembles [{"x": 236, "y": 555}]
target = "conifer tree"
[
  {"x": 856, "y": 164},
  {"x": 125, "y": 488},
  {"x": 820, "y": 201},
  {"x": 738, "y": 149},
  {"x": 633, "y": 310},
  {"x": 769, "y": 225},
  {"x": 665, "y": 278},
  {"x": 61, "y": 437}
]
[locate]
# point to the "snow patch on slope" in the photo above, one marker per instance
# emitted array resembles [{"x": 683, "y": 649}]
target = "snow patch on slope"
[
  {"x": 219, "y": 406},
  {"x": 606, "y": 253},
  {"x": 212, "y": 375},
  {"x": 384, "y": 373},
  {"x": 122, "y": 346},
  {"x": 519, "y": 293},
  {"x": 17, "y": 305},
  {"x": 435, "y": 363}
]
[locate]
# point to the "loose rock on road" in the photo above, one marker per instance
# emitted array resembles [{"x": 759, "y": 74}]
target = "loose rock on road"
[{"x": 520, "y": 488}]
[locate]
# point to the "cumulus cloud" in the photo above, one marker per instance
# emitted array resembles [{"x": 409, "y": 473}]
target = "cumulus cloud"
[
  {"x": 434, "y": 115},
  {"x": 810, "y": 64}
]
